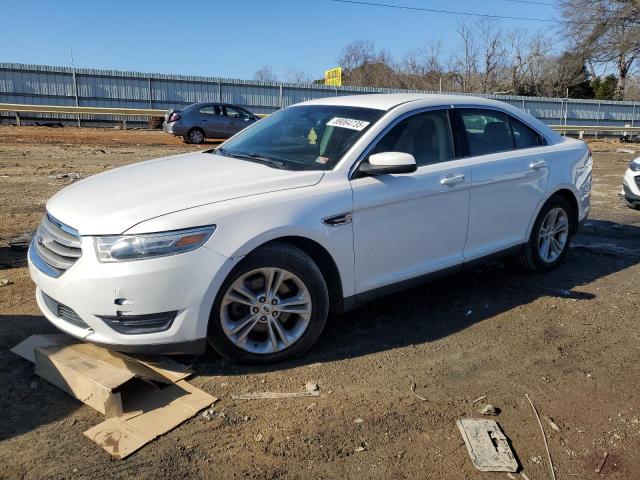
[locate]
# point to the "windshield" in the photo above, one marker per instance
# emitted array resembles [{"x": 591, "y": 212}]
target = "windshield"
[{"x": 308, "y": 137}]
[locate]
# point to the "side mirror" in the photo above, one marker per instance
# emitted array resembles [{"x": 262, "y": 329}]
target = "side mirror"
[{"x": 388, "y": 162}]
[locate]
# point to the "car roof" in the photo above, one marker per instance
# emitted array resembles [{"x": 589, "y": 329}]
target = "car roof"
[
  {"x": 220, "y": 104},
  {"x": 386, "y": 101}
]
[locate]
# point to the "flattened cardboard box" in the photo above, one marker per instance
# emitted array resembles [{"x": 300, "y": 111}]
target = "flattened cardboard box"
[{"x": 123, "y": 388}]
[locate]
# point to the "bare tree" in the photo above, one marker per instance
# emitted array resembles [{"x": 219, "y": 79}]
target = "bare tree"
[
  {"x": 607, "y": 32},
  {"x": 422, "y": 67},
  {"x": 492, "y": 54},
  {"x": 356, "y": 54},
  {"x": 295, "y": 75},
  {"x": 265, "y": 74},
  {"x": 465, "y": 63}
]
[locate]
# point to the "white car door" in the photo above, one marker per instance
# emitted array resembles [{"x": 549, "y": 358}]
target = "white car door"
[
  {"x": 509, "y": 179},
  {"x": 408, "y": 225}
]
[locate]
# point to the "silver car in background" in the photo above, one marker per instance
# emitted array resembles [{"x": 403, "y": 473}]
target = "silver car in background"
[{"x": 200, "y": 121}]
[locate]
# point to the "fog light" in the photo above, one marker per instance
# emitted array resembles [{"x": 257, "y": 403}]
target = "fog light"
[{"x": 136, "y": 324}]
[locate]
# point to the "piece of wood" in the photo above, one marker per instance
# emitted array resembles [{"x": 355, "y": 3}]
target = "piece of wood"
[
  {"x": 272, "y": 395},
  {"x": 604, "y": 460},
  {"x": 487, "y": 445},
  {"x": 413, "y": 390},
  {"x": 544, "y": 437}
]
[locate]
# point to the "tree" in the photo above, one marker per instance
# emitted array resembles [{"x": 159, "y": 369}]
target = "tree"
[
  {"x": 294, "y": 75},
  {"x": 492, "y": 54},
  {"x": 464, "y": 65},
  {"x": 572, "y": 77},
  {"x": 607, "y": 32},
  {"x": 605, "y": 88},
  {"x": 265, "y": 74}
]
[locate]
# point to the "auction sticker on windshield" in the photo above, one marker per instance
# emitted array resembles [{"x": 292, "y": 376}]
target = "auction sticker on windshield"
[{"x": 349, "y": 123}]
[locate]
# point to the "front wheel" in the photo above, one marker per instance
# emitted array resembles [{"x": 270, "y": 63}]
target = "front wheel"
[
  {"x": 273, "y": 306},
  {"x": 551, "y": 235}
]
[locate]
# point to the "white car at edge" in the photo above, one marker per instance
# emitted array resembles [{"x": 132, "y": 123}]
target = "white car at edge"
[
  {"x": 631, "y": 184},
  {"x": 318, "y": 208}
]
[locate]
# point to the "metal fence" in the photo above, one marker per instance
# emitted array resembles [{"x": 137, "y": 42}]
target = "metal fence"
[{"x": 48, "y": 85}]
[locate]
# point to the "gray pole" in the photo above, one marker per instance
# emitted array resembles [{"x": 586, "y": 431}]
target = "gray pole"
[
  {"x": 150, "y": 93},
  {"x": 75, "y": 85}
]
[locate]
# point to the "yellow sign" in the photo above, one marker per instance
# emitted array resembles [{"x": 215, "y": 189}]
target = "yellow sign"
[
  {"x": 313, "y": 136},
  {"x": 333, "y": 77}
]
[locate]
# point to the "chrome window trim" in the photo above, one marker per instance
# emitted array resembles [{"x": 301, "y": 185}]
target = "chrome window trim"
[{"x": 448, "y": 108}]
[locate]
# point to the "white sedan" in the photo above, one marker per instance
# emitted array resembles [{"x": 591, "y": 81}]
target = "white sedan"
[
  {"x": 318, "y": 208},
  {"x": 631, "y": 184}
]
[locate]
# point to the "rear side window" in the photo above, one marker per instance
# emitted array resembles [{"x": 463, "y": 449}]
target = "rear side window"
[
  {"x": 524, "y": 136},
  {"x": 211, "y": 110},
  {"x": 487, "y": 131},
  {"x": 426, "y": 136},
  {"x": 236, "y": 112}
]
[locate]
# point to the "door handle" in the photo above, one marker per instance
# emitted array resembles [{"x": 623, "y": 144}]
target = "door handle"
[
  {"x": 452, "y": 179},
  {"x": 537, "y": 165}
]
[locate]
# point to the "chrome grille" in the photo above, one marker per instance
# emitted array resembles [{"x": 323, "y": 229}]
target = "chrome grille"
[
  {"x": 57, "y": 245},
  {"x": 62, "y": 311}
]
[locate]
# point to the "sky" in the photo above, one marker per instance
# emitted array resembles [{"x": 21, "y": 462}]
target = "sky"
[{"x": 232, "y": 38}]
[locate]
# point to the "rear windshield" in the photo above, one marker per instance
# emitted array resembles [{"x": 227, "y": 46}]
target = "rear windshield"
[{"x": 309, "y": 137}]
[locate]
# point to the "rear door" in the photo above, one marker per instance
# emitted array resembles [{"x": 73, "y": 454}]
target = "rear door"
[
  {"x": 509, "y": 173},
  {"x": 213, "y": 121},
  {"x": 237, "y": 119}
]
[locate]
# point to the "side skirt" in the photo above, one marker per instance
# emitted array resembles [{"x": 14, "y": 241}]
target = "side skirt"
[{"x": 361, "y": 298}]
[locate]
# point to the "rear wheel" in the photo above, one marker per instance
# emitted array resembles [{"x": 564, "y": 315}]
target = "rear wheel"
[
  {"x": 550, "y": 237},
  {"x": 195, "y": 135},
  {"x": 273, "y": 306}
]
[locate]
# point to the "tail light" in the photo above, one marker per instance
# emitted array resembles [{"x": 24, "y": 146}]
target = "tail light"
[{"x": 174, "y": 117}]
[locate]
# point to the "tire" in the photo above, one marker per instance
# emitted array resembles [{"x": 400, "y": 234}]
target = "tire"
[
  {"x": 195, "y": 136},
  {"x": 254, "y": 344},
  {"x": 533, "y": 257}
]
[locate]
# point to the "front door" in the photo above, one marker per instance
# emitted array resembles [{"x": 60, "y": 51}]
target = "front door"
[{"x": 408, "y": 225}]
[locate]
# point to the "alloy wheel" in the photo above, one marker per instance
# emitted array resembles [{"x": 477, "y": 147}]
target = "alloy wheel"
[
  {"x": 196, "y": 136},
  {"x": 266, "y": 310},
  {"x": 553, "y": 235}
]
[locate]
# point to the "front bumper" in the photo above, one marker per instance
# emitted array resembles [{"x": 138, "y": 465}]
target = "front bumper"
[
  {"x": 631, "y": 187},
  {"x": 186, "y": 283}
]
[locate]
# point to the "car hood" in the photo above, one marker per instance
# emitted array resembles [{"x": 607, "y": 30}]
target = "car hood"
[{"x": 114, "y": 201}]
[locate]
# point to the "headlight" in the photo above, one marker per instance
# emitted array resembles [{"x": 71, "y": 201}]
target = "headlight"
[
  {"x": 635, "y": 165},
  {"x": 138, "y": 247}
]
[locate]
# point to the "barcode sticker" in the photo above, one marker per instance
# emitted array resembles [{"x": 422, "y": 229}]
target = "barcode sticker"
[{"x": 349, "y": 123}]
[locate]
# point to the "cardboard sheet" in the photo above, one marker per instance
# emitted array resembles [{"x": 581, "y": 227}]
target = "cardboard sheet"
[
  {"x": 142, "y": 398},
  {"x": 161, "y": 412}
]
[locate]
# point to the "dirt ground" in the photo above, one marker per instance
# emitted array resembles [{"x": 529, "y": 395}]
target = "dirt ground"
[{"x": 570, "y": 339}]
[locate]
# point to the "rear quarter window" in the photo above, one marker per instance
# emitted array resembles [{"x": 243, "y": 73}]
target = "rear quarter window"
[{"x": 524, "y": 136}]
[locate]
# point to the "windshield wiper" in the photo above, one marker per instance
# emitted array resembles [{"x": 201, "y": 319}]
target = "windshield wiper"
[{"x": 254, "y": 157}]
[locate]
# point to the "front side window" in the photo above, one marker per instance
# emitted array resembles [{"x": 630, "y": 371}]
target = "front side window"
[
  {"x": 426, "y": 136},
  {"x": 487, "y": 131},
  {"x": 309, "y": 137}
]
